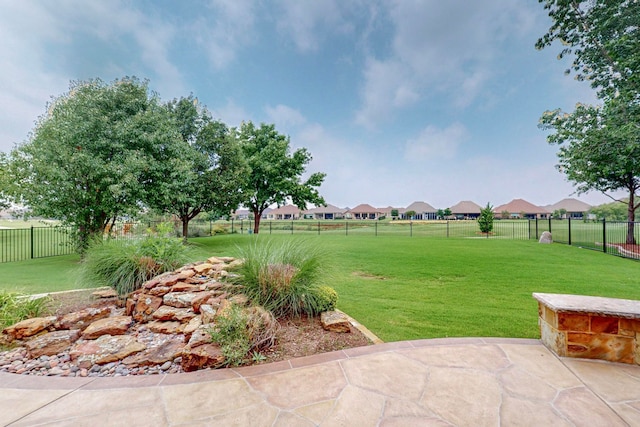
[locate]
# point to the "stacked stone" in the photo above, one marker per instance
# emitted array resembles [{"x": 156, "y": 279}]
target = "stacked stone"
[{"x": 163, "y": 327}]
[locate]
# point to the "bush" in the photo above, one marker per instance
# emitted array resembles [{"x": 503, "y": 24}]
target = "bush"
[
  {"x": 230, "y": 331},
  {"x": 325, "y": 299},
  {"x": 283, "y": 279},
  {"x": 125, "y": 265},
  {"x": 15, "y": 308},
  {"x": 485, "y": 221}
]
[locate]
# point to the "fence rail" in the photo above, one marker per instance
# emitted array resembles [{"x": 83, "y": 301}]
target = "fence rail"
[{"x": 607, "y": 236}]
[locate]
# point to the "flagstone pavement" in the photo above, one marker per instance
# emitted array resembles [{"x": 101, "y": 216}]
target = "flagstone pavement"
[{"x": 438, "y": 382}]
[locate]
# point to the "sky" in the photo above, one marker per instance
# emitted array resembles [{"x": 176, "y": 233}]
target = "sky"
[{"x": 397, "y": 101}]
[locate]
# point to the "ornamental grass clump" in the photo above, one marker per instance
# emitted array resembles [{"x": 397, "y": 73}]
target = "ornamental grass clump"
[
  {"x": 15, "y": 308},
  {"x": 125, "y": 265},
  {"x": 284, "y": 278}
]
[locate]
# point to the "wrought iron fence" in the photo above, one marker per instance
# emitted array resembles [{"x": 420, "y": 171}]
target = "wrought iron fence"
[{"x": 612, "y": 237}]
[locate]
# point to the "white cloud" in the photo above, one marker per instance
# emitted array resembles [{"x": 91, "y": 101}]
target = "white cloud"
[
  {"x": 231, "y": 114},
  {"x": 284, "y": 117},
  {"x": 308, "y": 22},
  {"x": 438, "y": 48},
  {"x": 224, "y": 28},
  {"x": 436, "y": 144}
]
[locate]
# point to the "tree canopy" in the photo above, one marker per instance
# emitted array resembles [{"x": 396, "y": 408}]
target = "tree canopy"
[
  {"x": 485, "y": 220},
  {"x": 211, "y": 170},
  {"x": 599, "y": 145},
  {"x": 275, "y": 174},
  {"x": 94, "y": 155}
]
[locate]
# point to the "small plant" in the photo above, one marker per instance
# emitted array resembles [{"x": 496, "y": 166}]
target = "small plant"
[
  {"x": 15, "y": 308},
  {"x": 125, "y": 265},
  {"x": 257, "y": 357},
  {"x": 231, "y": 333},
  {"x": 281, "y": 278},
  {"x": 485, "y": 221},
  {"x": 325, "y": 299}
]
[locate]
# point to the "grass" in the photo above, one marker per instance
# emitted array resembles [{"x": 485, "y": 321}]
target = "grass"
[{"x": 408, "y": 288}]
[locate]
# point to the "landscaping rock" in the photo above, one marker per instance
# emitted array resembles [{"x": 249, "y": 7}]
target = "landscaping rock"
[
  {"x": 105, "y": 349},
  {"x": 116, "y": 325},
  {"x": 160, "y": 327},
  {"x": 546, "y": 237},
  {"x": 29, "y": 327},
  {"x": 182, "y": 315},
  {"x": 145, "y": 306},
  {"x": 179, "y": 299},
  {"x": 203, "y": 356},
  {"x": 83, "y": 318},
  {"x": 105, "y": 293},
  {"x": 165, "y": 352},
  {"x": 51, "y": 343},
  {"x": 335, "y": 321}
]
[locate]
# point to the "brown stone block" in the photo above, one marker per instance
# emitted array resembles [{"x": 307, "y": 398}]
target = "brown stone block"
[
  {"x": 601, "y": 346},
  {"x": 629, "y": 327},
  {"x": 607, "y": 325},
  {"x": 573, "y": 322}
]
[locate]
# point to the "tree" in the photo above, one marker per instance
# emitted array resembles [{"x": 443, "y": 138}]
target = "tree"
[
  {"x": 410, "y": 214},
  {"x": 93, "y": 156},
  {"x": 599, "y": 144},
  {"x": 485, "y": 220},
  {"x": 394, "y": 213},
  {"x": 4, "y": 181},
  {"x": 440, "y": 214},
  {"x": 447, "y": 212},
  {"x": 274, "y": 174},
  {"x": 208, "y": 175}
]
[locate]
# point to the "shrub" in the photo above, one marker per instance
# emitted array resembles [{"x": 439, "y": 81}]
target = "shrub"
[
  {"x": 230, "y": 331},
  {"x": 15, "y": 308},
  {"x": 282, "y": 278},
  {"x": 325, "y": 299},
  {"x": 125, "y": 265},
  {"x": 485, "y": 221}
]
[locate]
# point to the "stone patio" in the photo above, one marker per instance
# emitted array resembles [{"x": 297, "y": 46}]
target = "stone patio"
[{"x": 462, "y": 382}]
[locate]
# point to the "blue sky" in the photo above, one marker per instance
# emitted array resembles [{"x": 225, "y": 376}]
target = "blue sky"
[{"x": 397, "y": 101}]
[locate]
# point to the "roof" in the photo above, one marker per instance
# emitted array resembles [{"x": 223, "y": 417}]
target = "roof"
[
  {"x": 420, "y": 207},
  {"x": 363, "y": 208},
  {"x": 520, "y": 205},
  {"x": 286, "y": 210},
  {"x": 326, "y": 209},
  {"x": 465, "y": 207},
  {"x": 570, "y": 205}
]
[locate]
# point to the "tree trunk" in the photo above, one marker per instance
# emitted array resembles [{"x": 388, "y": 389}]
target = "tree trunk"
[
  {"x": 256, "y": 221},
  {"x": 631, "y": 218},
  {"x": 185, "y": 227}
]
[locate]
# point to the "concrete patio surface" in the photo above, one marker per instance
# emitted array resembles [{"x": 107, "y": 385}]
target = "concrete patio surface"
[{"x": 439, "y": 382}]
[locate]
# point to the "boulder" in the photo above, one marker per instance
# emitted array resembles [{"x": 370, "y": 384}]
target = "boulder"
[
  {"x": 145, "y": 307},
  {"x": 335, "y": 321},
  {"x": 29, "y": 327},
  {"x": 105, "y": 349},
  {"x": 182, "y": 315},
  {"x": 51, "y": 343},
  {"x": 83, "y": 318},
  {"x": 116, "y": 325},
  {"x": 203, "y": 356},
  {"x": 546, "y": 237},
  {"x": 160, "y": 327},
  {"x": 165, "y": 352},
  {"x": 203, "y": 268},
  {"x": 179, "y": 299}
]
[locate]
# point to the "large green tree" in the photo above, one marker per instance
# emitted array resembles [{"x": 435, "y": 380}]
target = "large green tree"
[
  {"x": 599, "y": 145},
  {"x": 275, "y": 174},
  {"x": 95, "y": 155},
  {"x": 212, "y": 170}
]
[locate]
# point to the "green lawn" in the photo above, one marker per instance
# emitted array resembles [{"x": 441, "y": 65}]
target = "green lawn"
[{"x": 407, "y": 288}]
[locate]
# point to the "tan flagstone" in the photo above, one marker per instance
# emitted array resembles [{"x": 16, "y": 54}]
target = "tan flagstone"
[
  {"x": 316, "y": 412},
  {"x": 483, "y": 356},
  {"x": 394, "y": 408},
  {"x": 390, "y": 374},
  {"x": 189, "y": 403},
  {"x": 518, "y": 382},
  {"x": 530, "y": 413},
  {"x": 629, "y": 412},
  {"x": 259, "y": 415},
  {"x": 413, "y": 422},
  {"x": 582, "y": 407},
  {"x": 450, "y": 389},
  {"x": 302, "y": 386},
  {"x": 612, "y": 381},
  {"x": 16, "y": 403},
  {"x": 289, "y": 419},
  {"x": 356, "y": 407}
]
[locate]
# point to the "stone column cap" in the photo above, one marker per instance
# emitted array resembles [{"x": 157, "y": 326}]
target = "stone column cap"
[{"x": 613, "y": 307}]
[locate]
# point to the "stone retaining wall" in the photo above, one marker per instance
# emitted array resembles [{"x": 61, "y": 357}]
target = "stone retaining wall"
[{"x": 590, "y": 327}]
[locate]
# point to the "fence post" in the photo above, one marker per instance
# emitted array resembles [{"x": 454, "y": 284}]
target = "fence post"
[
  {"x": 32, "y": 242},
  {"x": 346, "y": 227},
  {"x": 447, "y": 229},
  {"x": 376, "y": 227},
  {"x": 569, "y": 229},
  {"x": 537, "y": 236},
  {"x": 604, "y": 235},
  {"x": 549, "y": 224},
  {"x": 529, "y": 229},
  {"x": 411, "y": 229},
  {"x": 291, "y": 226},
  {"x": 318, "y": 228},
  {"x": 270, "y": 228}
]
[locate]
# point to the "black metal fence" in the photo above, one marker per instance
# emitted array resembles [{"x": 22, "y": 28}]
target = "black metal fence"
[
  {"x": 607, "y": 236},
  {"x": 17, "y": 244}
]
